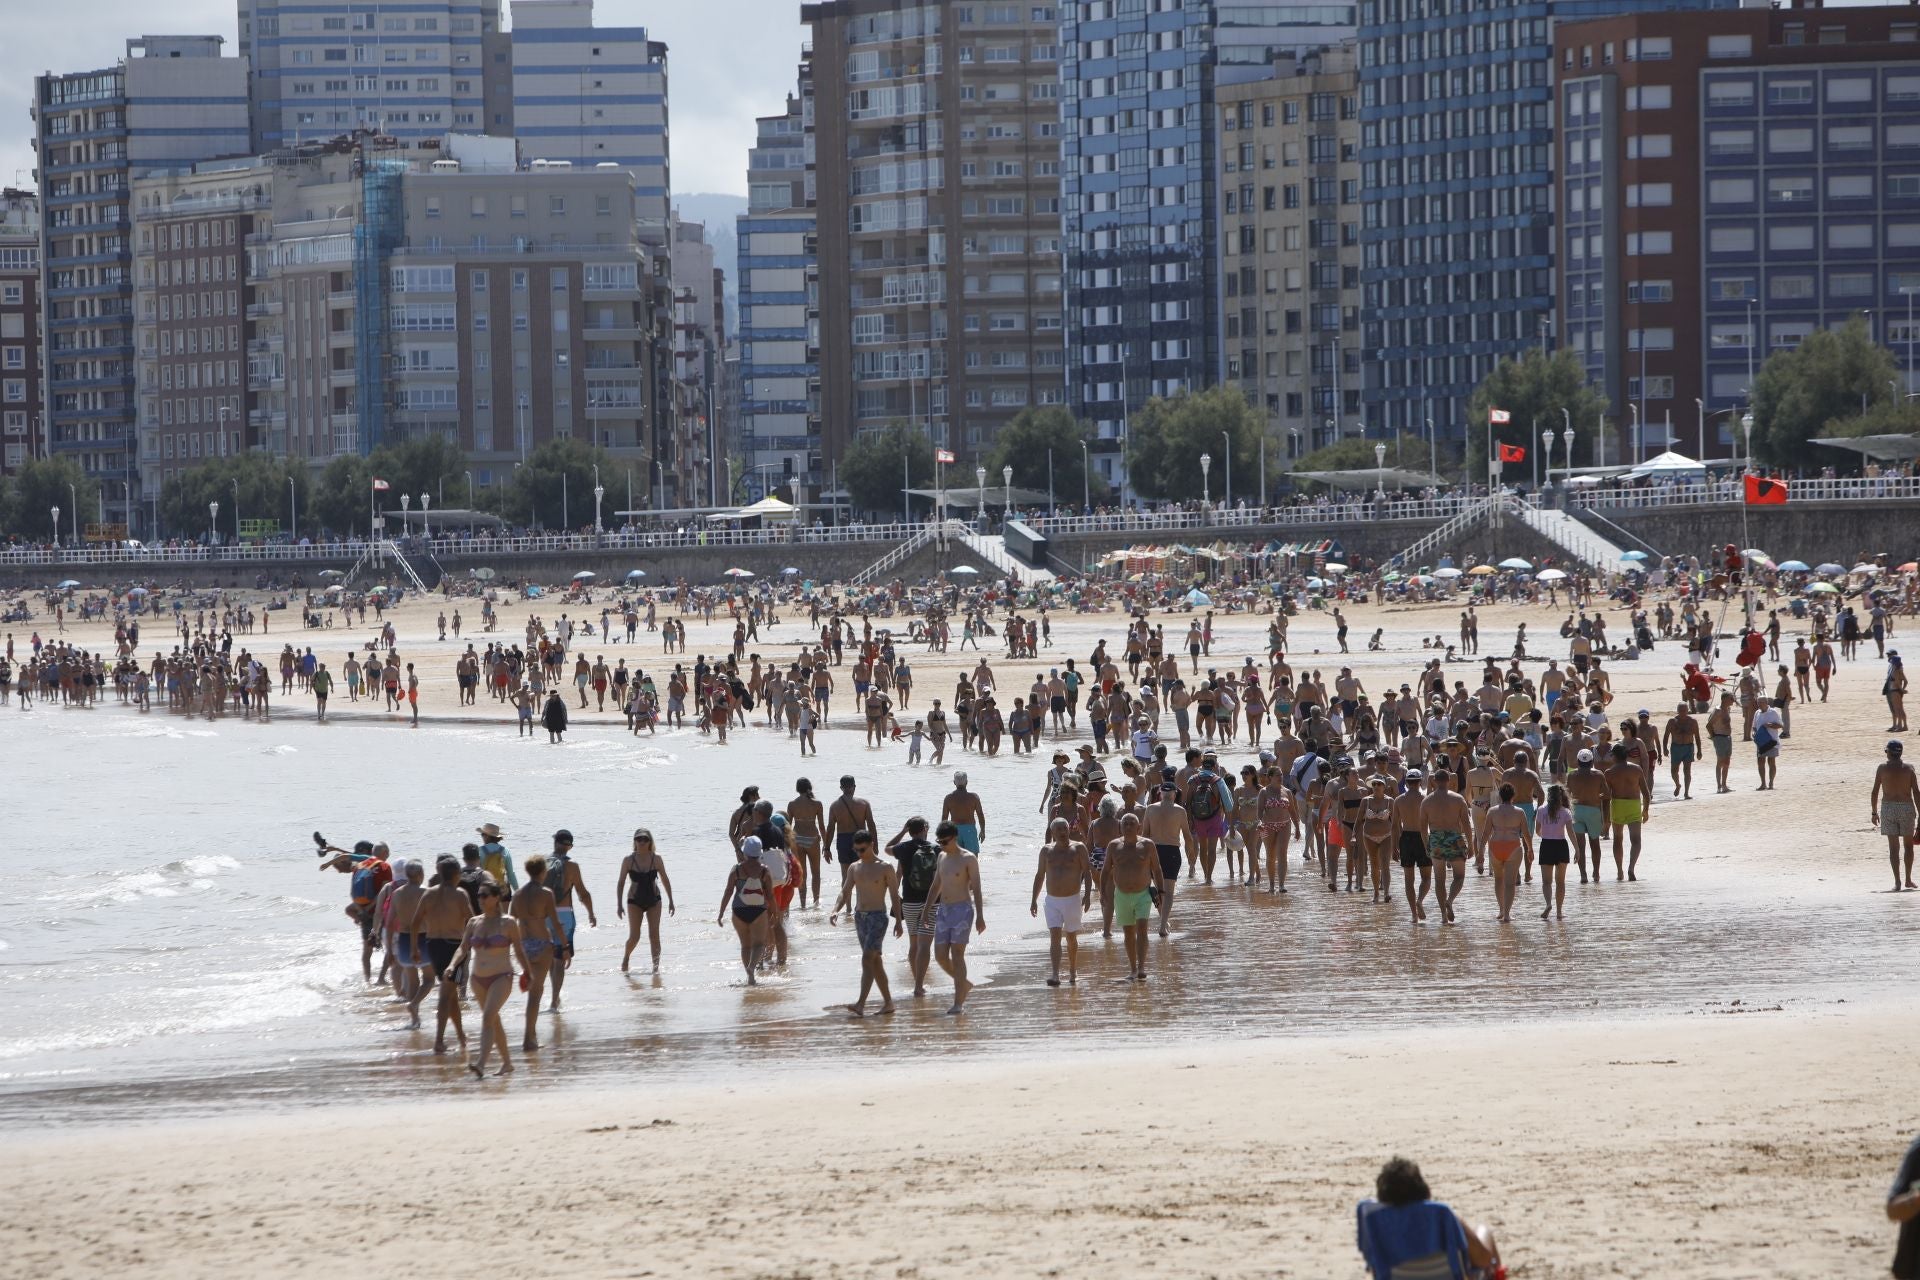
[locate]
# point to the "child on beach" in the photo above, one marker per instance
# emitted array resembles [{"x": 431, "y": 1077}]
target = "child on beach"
[{"x": 913, "y": 740}]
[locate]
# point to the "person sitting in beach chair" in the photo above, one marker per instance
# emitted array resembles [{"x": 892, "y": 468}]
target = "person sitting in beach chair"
[{"x": 1405, "y": 1234}]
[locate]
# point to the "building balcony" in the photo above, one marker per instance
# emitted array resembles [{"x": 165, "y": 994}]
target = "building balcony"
[
  {"x": 614, "y": 333},
  {"x": 615, "y": 412},
  {"x": 267, "y": 419},
  {"x": 342, "y": 298},
  {"x": 263, "y": 310}
]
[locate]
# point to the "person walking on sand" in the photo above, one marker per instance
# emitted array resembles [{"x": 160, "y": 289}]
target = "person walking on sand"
[
  {"x": 439, "y": 926},
  {"x": 1502, "y": 836},
  {"x": 491, "y": 940},
  {"x": 1067, "y": 876},
  {"x": 846, "y": 817},
  {"x": 1446, "y": 822},
  {"x": 750, "y": 892},
  {"x": 643, "y": 878},
  {"x": 1133, "y": 871},
  {"x": 918, "y": 861},
  {"x": 958, "y": 907},
  {"x": 1893, "y": 803},
  {"x": 1410, "y": 842},
  {"x": 1552, "y": 824},
  {"x": 1629, "y": 804},
  {"x": 872, "y": 888},
  {"x": 541, "y": 938},
  {"x": 564, "y": 878},
  {"x": 1167, "y": 825}
]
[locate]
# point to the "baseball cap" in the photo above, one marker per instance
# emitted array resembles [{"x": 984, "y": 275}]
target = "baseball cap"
[
  {"x": 1895, "y": 746},
  {"x": 750, "y": 847},
  {"x": 1585, "y": 757},
  {"x": 563, "y": 836},
  {"x": 1414, "y": 775}
]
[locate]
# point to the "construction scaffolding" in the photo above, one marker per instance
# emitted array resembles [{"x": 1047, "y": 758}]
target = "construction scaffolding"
[{"x": 379, "y": 232}]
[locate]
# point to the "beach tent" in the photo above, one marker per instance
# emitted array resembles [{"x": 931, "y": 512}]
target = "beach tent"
[{"x": 1668, "y": 466}]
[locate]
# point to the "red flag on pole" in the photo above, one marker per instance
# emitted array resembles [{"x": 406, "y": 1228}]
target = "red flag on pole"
[
  {"x": 1513, "y": 453},
  {"x": 1762, "y": 492}
]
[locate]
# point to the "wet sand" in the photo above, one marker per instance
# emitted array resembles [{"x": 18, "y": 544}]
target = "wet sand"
[
  {"x": 1703, "y": 1138},
  {"x": 1728, "y": 1146}
]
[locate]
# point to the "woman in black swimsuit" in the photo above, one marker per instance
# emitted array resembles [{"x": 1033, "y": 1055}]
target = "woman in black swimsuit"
[
  {"x": 750, "y": 890},
  {"x": 642, "y": 877}
]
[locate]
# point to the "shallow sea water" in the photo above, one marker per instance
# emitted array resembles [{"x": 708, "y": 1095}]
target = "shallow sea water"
[{"x": 169, "y": 948}]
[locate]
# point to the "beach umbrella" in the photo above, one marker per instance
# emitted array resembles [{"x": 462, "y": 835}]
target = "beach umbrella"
[
  {"x": 485, "y": 575},
  {"x": 1393, "y": 575},
  {"x": 1908, "y": 567},
  {"x": 1633, "y": 555},
  {"x": 1482, "y": 571},
  {"x": 138, "y": 591},
  {"x": 1336, "y": 568},
  {"x": 1515, "y": 562},
  {"x": 739, "y": 573},
  {"x": 1316, "y": 583},
  {"x": 585, "y": 575},
  {"x": 1755, "y": 553},
  {"x": 1823, "y": 588},
  {"x": 1448, "y": 572},
  {"x": 633, "y": 574},
  {"x": 1829, "y": 568},
  {"x": 1552, "y": 575},
  {"x": 789, "y": 571},
  {"x": 1865, "y": 568},
  {"x": 1794, "y": 566},
  {"x": 335, "y": 589},
  {"x": 969, "y": 570},
  {"x": 1201, "y": 598},
  {"x": 333, "y": 573},
  {"x": 67, "y": 585}
]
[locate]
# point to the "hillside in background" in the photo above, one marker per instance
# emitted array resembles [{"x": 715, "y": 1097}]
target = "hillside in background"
[{"x": 718, "y": 213}]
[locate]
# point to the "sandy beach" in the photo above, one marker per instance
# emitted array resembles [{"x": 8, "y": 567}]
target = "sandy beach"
[
  {"x": 1718, "y": 1145},
  {"x": 1712, "y": 1138}
]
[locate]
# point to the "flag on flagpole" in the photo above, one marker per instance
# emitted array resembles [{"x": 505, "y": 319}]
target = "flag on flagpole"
[
  {"x": 379, "y": 486},
  {"x": 1762, "y": 492},
  {"x": 1499, "y": 416},
  {"x": 943, "y": 455},
  {"x": 1513, "y": 453}
]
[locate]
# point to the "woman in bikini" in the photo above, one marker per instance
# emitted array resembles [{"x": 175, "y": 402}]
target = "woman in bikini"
[
  {"x": 1274, "y": 805},
  {"x": 1553, "y": 824},
  {"x": 1246, "y": 826},
  {"x": 491, "y": 942},
  {"x": 1504, "y": 835},
  {"x": 642, "y": 878},
  {"x": 1376, "y": 833},
  {"x": 750, "y": 892},
  {"x": 1253, "y": 701}
]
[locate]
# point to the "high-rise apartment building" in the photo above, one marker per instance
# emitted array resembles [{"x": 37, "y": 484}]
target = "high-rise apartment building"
[
  {"x": 699, "y": 336},
  {"x": 173, "y": 100},
  {"x": 194, "y": 316},
  {"x": 937, "y": 177},
  {"x": 414, "y": 71},
  {"x": 1457, "y": 141},
  {"x": 778, "y": 279},
  {"x": 1141, "y": 206},
  {"x": 1289, "y": 187},
  {"x": 594, "y": 96},
  {"x": 1730, "y": 182},
  {"x": 20, "y": 359}
]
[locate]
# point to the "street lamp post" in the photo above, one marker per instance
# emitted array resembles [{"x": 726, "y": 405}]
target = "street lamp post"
[
  {"x": 599, "y": 492},
  {"x": 56, "y": 525},
  {"x": 213, "y": 521},
  {"x": 1006, "y": 482},
  {"x": 564, "y": 518},
  {"x": 1086, "y": 480},
  {"x": 1639, "y": 443},
  {"x": 1380, "y": 469},
  {"x": 1433, "y": 449},
  {"x": 980, "y": 481},
  {"x": 470, "y": 490},
  {"x": 1546, "y": 454},
  {"x": 73, "y": 513},
  {"x": 520, "y": 426},
  {"x": 1566, "y": 438},
  {"x": 1206, "y": 469},
  {"x": 1049, "y": 482},
  {"x": 426, "y": 505},
  {"x": 236, "y": 513},
  {"x": 293, "y": 511}
]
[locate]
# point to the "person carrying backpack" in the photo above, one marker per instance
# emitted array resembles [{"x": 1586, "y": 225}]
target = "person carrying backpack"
[
  {"x": 1209, "y": 801},
  {"x": 918, "y": 858}
]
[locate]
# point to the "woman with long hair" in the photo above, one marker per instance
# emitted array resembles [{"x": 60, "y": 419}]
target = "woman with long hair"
[
  {"x": 1552, "y": 825},
  {"x": 492, "y": 943}
]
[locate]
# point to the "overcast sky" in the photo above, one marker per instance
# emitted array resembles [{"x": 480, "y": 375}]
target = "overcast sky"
[{"x": 730, "y": 60}]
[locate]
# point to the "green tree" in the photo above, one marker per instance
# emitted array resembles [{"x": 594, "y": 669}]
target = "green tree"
[
  {"x": 1038, "y": 438},
  {"x": 872, "y": 466},
  {"x": 1800, "y": 394},
  {"x": 1533, "y": 390},
  {"x": 41, "y": 484},
  {"x": 341, "y": 496},
  {"x": 263, "y": 495},
  {"x": 1888, "y": 417},
  {"x": 429, "y": 465},
  {"x": 1168, "y": 436},
  {"x": 1404, "y": 452},
  {"x": 553, "y": 488}
]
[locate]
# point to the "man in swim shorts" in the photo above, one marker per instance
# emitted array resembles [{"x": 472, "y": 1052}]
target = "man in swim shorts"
[
  {"x": 873, "y": 888},
  {"x": 1168, "y": 827},
  {"x": 1681, "y": 737},
  {"x": 1587, "y": 789},
  {"x": 438, "y": 926},
  {"x": 957, "y": 906},
  {"x": 1133, "y": 873},
  {"x": 1896, "y": 793},
  {"x": 846, "y": 816},
  {"x": 963, "y": 809},
  {"x": 1445, "y": 820},
  {"x": 1630, "y": 803},
  {"x": 1409, "y": 836},
  {"x": 1067, "y": 876}
]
